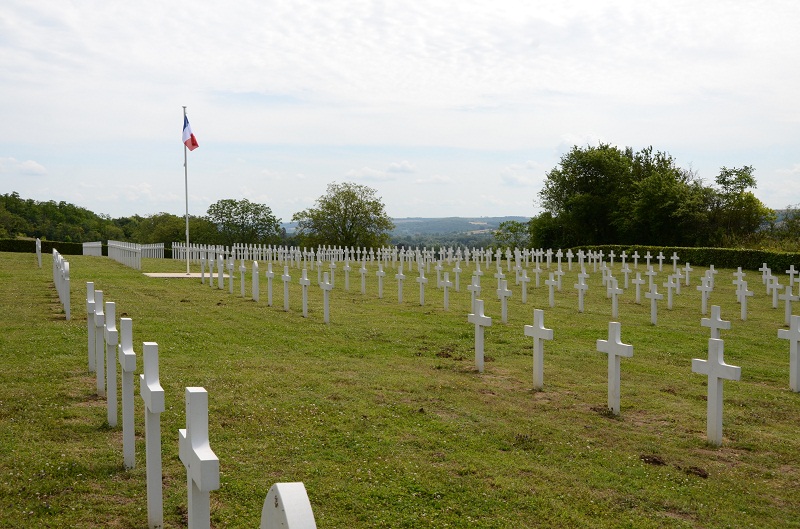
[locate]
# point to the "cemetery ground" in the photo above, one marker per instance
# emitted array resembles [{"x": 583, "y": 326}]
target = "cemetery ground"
[{"x": 382, "y": 413}]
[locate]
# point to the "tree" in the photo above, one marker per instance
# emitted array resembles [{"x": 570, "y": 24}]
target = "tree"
[
  {"x": 513, "y": 234},
  {"x": 737, "y": 212},
  {"x": 244, "y": 222},
  {"x": 347, "y": 215}
]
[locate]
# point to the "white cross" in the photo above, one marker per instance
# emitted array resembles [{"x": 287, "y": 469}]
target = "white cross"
[
  {"x": 400, "y": 277},
  {"x": 422, "y": 280},
  {"x": 153, "y": 397},
  {"x": 717, "y": 371},
  {"x": 504, "y": 293},
  {"x": 738, "y": 283},
  {"x": 570, "y": 256},
  {"x": 539, "y": 334},
  {"x": 674, "y": 261},
  {"x": 648, "y": 257},
  {"x": 127, "y": 363},
  {"x": 686, "y": 270},
  {"x": 499, "y": 276},
  {"x": 558, "y": 275},
  {"x": 256, "y": 291},
  {"x": 99, "y": 342},
  {"x": 332, "y": 267},
  {"x": 744, "y": 294},
  {"x": 793, "y": 335},
  {"x": 446, "y": 285},
  {"x": 480, "y": 321},
  {"x": 326, "y": 287},
  {"x": 286, "y": 279},
  {"x": 551, "y": 283},
  {"x": 242, "y": 270},
  {"x": 347, "y": 274},
  {"x": 615, "y": 349},
  {"x": 715, "y": 323},
  {"x": 269, "y": 274},
  {"x": 90, "y": 323},
  {"x": 792, "y": 272},
  {"x": 705, "y": 289},
  {"x": 653, "y": 296},
  {"x": 670, "y": 284},
  {"x": 475, "y": 290},
  {"x": 582, "y": 288},
  {"x": 775, "y": 286},
  {"x": 112, "y": 339},
  {"x": 638, "y": 282},
  {"x": 626, "y": 273},
  {"x": 230, "y": 275},
  {"x": 457, "y": 273},
  {"x": 615, "y": 292},
  {"x": 611, "y": 256},
  {"x": 202, "y": 464},
  {"x": 787, "y": 297},
  {"x": 764, "y": 269},
  {"x": 305, "y": 282},
  {"x": 363, "y": 272},
  {"x": 635, "y": 259},
  {"x": 381, "y": 274},
  {"x": 524, "y": 279},
  {"x": 650, "y": 275}
]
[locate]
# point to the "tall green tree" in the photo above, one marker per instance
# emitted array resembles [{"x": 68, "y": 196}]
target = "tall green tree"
[
  {"x": 347, "y": 214},
  {"x": 245, "y": 222},
  {"x": 737, "y": 212},
  {"x": 513, "y": 234}
]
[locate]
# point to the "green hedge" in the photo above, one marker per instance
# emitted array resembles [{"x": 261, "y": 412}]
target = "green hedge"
[
  {"x": 29, "y": 246},
  {"x": 779, "y": 262}
]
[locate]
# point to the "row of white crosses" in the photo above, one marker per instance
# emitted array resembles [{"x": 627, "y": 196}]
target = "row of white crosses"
[
  {"x": 286, "y": 505},
  {"x": 61, "y": 281},
  {"x": 715, "y": 367}
]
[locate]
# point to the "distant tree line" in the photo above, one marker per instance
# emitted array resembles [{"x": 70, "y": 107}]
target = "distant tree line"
[{"x": 606, "y": 195}]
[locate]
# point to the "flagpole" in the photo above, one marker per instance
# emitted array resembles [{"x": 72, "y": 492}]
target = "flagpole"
[{"x": 186, "y": 187}]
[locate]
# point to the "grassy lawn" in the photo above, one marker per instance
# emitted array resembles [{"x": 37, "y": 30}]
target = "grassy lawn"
[{"x": 382, "y": 413}]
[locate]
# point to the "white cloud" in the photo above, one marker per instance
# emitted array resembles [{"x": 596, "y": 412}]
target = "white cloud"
[
  {"x": 370, "y": 175},
  {"x": 26, "y": 168},
  {"x": 401, "y": 167}
]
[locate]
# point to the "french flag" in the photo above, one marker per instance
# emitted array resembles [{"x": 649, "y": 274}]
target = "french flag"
[{"x": 188, "y": 138}]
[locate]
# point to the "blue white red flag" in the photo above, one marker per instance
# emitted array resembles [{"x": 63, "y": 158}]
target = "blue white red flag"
[{"x": 188, "y": 138}]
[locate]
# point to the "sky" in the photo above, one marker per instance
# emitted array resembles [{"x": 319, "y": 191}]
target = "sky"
[{"x": 445, "y": 108}]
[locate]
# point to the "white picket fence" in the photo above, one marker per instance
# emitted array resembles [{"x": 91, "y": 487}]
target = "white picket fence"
[{"x": 127, "y": 253}]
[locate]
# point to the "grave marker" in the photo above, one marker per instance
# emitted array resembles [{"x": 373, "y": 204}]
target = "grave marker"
[
  {"x": 715, "y": 323},
  {"x": 538, "y": 332},
  {"x": 504, "y": 293},
  {"x": 787, "y": 297},
  {"x": 202, "y": 464},
  {"x": 230, "y": 275},
  {"x": 127, "y": 363},
  {"x": 90, "y": 323},
  {"x": 380, "y": 273},
  {"x": 638, "y": 282},
  {"x": 480, "y": 321},
  {"x": 287, "y": 507},
  {"x": 475, "y": 290},
  {"x": 242, "y": 270},
  {"x": 287, "y": 278},
  {"x": 99, "y": 342},
  {"x": 305, "y": 282},
  {"x": 551, "y": 284},
  {"x": 422, "y": 280},
  {"x": 326, "y": 287},
  {"x": 717, "y": 371},
  {"x": 269, "y": 275},
  {"x": 446, "y": 285},
  {"x": 524, "y": 279},
  {"x": 111, "y": 338},
  {"x": 615, "y": 292},
  {"x": 705, "y": 288},
  {"x": 793, "y": 335},
  {"x": 654, "y": 297},
  {"x": 256, "y": 291},
  {"x": 153, "y": 396},
  {"x": 582, "y": 288},
  {"x": 615, "y": 349},
  {"x": 745, "y": 293}
]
